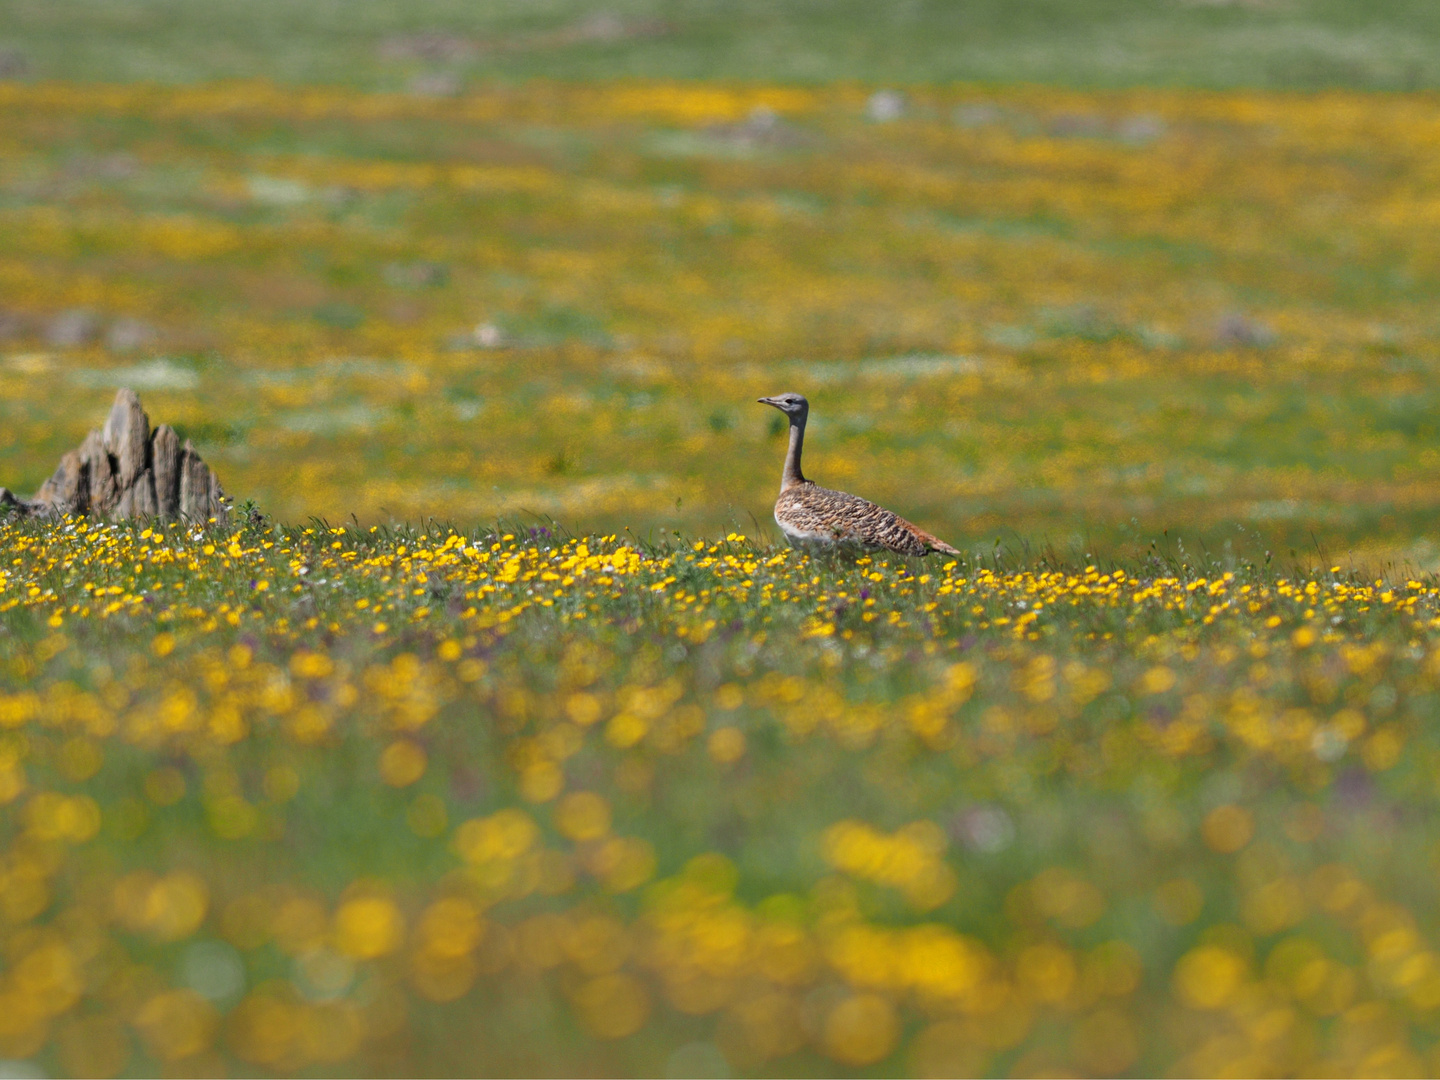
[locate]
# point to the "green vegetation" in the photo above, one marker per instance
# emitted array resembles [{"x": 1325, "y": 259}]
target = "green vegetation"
[
  {"x": 326, "y": 798},
  {"x": 1300, "y": 44}
]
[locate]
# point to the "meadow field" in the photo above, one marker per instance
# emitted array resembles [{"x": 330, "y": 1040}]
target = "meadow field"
[
  {"x": 327, "y": 799},
  {"x": 496, "y": 733},
  {"x": 1032, "y": 315}
]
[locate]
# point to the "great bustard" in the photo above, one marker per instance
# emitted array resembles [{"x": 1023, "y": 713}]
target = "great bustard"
[{"x": 810, "y": 514}]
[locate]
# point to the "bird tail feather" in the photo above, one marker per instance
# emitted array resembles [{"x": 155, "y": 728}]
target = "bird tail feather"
[{"x": 934, "y": 543}]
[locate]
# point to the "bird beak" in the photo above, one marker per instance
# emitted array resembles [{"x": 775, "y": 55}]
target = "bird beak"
[{"x": 767, "y": 401}]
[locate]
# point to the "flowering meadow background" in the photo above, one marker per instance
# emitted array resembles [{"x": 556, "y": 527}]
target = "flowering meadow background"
[{"x": 498, "y": 734}]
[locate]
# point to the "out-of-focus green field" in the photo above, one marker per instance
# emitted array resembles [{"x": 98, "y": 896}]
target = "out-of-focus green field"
[
  {"x": 1148, "y": 789},
  {"x": 379, "y": 45}
]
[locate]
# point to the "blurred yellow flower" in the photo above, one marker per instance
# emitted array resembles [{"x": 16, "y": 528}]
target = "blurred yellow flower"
[
  {"x": 861, "y": 1030},
  {"x": 368, "y": 926},
  {"x": 1208, "y": 976},
  {"x": 612, "y": 1006},
  {"x": 583, "y": 815},
  {"x": 402, "y": 763}
]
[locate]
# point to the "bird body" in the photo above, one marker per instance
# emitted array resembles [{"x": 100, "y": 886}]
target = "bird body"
[{"x": 811, "y": 515}]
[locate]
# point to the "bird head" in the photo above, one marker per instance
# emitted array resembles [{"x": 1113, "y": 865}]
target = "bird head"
[{"x": 792, "y": 405}]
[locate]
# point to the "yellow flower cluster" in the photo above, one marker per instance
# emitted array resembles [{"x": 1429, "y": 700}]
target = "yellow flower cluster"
[{"x": 283, "y": 798}]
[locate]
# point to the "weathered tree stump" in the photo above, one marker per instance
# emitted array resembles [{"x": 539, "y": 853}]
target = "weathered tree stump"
[{"x": 127, "y": 471}]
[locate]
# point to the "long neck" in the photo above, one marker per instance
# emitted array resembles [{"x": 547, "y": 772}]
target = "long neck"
[{"x": 792, "y": 474}]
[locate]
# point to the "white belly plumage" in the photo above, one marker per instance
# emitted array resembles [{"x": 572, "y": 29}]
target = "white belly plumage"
[{"x": 808, "y": 536}]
